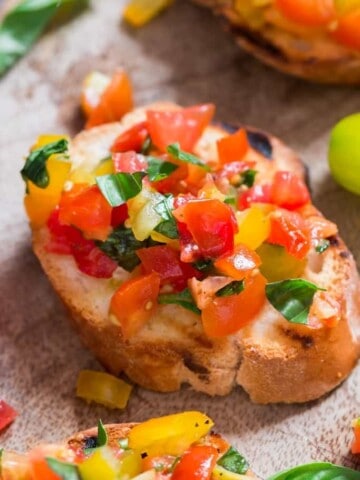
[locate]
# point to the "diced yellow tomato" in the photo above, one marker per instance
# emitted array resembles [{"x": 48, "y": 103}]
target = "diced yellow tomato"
[
  {"x": 143, "y": 217},
  {"x": 103, "y": 388},
  {"x": 47, "y": 138},
  {"x": 277, "y": 264},
  {"x": 104, "y": 168},
  {"x": 130, "y": 464},
  {"x": 101, "y": 464},
  {"x": 139, "y": 12},
  {"x": 254, "y": 227},
  {"x": 169, "y": 435}
]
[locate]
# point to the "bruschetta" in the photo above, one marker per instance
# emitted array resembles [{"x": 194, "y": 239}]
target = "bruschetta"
[
  {"x": 317, "y": 40},
  {"x": 188, "y": 252}
]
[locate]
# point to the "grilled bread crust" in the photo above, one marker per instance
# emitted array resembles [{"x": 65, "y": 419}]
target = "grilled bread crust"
[
  {"x": 272, "y": 359},
  {"x": 310, "y": 58}
]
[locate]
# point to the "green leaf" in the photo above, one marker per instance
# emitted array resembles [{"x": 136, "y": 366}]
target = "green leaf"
[
  {"x": 248, "y": 177},
  {"x": 317, "y": 471},
  {"x": 233, "y": 462},
  {"x": 175, "y": 151},
  {"x": 323, "y": 245},
  {"x": 117, "y": 188},
  {"x": 230, "y": 200},
  {"x": 168, "y": 226},
  {"x": 233, "y": 288},
  {"x": 158, "y": 169},
  {"x": 183, "y": 298},
  {"x": 66, "y": 471},
  {"x": 102, "y": 436},
  {"x": 35, "y": 164},
  {"x": 292, "y": 298},
  {"x": 203, "y": 265}
]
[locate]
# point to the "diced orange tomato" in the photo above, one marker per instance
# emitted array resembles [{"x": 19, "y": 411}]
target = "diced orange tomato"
[
  {"x": 288, "y": 191},
  {"x": 134, "y": 302},
  {"x": 217, "y": 441},
  {"x": 86, "y": 208},
  {"x": 253, "y": 227},
  {"x": 196, "y": 464},
  {"x": 226, "y": 315},
  {"x": 355, "y": 447},
  {"x": 233, "y": 147},
  {"x": 239, "y": 264},
  {"x": 184, "y": 125},
  {"x": 93, "y": 87},
  {"x": 290, "y": 230},
  {"x": 312, "y": 13},
  {"x": 116, "y": 100},
  {"x": 175, "y": 182},
  {"x": 348, "y": 31},
  {"x": 131, "y": 139},
  {"x": 39, "y": 467}
]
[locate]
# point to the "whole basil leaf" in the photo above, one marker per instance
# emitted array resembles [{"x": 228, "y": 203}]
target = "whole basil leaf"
[
  {"x": 233, "y": 461},
  {"x": 35, "y": 164},
  {"x": 159, "y": 169},
  {"x": 183, "y": 298},
  {"x": 102, "y": 436},
  {"x": 317, "y": 471},
  {"x": 117, "y": 188},
  {"x": 292, "y": 298},
  {"x": 175, "y": 151},
  {"x": 233, "y": 288},
  {"x": 66, "y": 471}
]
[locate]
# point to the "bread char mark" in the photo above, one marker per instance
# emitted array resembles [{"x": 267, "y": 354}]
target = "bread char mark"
[{"x": 306, "y": 341}]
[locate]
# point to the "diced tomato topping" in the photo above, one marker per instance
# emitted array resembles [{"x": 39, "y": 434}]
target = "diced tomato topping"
[
  {"x": 116, "y": 100},
  {"x": 166, "y": 262},
  {"x": 119, "y": 215},
  {"x": 255, "y": 194},
  {"x": 355, "y": 447},
  {"x": 189, "y": 250},
  {"x": 288, "y": 191},
  {"x": 129, "y": 162},
  {"x": 196, "y": 464},
  {"x": 7, "y": 414},
  {"x": 239, "y": 264},
  {"x": 324, "y": 311},
  {"x": 184, "y": 126},
  {"x": 320, "y": 227},
  {"x": 39, "y": 467},
  {"x": 132, "y": 139},
  {"x": 233, "y": 169},
  {"x": 135, "y": 301},
  {"x": 233, "y": 147},
  {"x": 226, "y": 315},
  {"x": 174, "y": 183},
  {"x": 313, "y": 13},
  {"x": 160, "y": 464},
  {"x": 86, "y": 208},
  {"x": 348, "y": 31},
  {"x": 217, "y": 441},
  {"x": 212, "y": 225},
  {"x": 289, "y": 230}
]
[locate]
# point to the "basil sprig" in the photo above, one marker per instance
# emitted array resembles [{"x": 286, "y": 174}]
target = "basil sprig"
[
  {"x": 66, "y": 471},
  {"x": 292, "y": 298},
  {"x": 159, "y": 169},
  {"x": 101, "y": 439},
  {"x": 22, "y": 26},
  {"x": 176, "y": 152},
  {"x": 35, "y": 164},
  {"x": 234, "y": 462},
  {"x": 117, "y": 188},
  {"x": 183, "y": 298},
  {"x": 317, "y": 471}
]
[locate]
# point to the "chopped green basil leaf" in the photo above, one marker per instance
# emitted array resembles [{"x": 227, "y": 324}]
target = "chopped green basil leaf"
[
  {"x": 203, "y": 265},
  {"x": 121, "y": 246},
  {"x": 317, "y": 471},
  {"x": 234, "y": 462},
  {"x": 323, "y": 245},
  {"x": 146, "y": 146},
  {"x": 168, "y": 226},
  {"x": 102, "y": 436},
  {"x": 233, "y": 288},
  {"x": 124, "y": 443},
  {"x": 158, "y": 169},
  {"x": 183, "y": 298},
  {"x": 292, "y": 298},
  {"x": 175, "y": 151},
  {"x": 248, "y": 177},
  {"x": 66, "y": 471},
  {"x": 35, "y": 164},
  {"x": 117, "y": 188},
  {"x": 230, "y": 200}
]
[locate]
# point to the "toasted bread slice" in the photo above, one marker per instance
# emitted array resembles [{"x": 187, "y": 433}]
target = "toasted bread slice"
[
  {"x": 272, "y": 359},
  {"x": 314, "y": 57}
]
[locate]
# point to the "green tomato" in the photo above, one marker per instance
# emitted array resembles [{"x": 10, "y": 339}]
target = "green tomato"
[{"x": 344, "y": 153}]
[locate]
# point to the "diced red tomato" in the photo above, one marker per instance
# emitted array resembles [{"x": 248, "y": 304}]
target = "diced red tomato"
[
  {"x": 289, "y": 230},
  {"x": 239, "y": 264},
  {"x": 196, "y": 464},
  {"x": 39, "y": 468},
  {"x": 348, "y": 31},
  {"x": 116, "y": 100},
  {"x": 87, "y": 209},
  {"x": 231, "y": 169},
  {"x": 288, "y": 191},
  {"x": 212, "y": 225},
  {"x": 135, "y": 301},
  {"x": 166, "y": 262},
  {"x": 189, "y": 250},
  {"x": 184, "y": 126},
  {"x": 226, "y": 315},
  {"x": 132, "y": 139},
  {"x": 174, "y": 183},
  {"x": 355, "y": 447},
  {"x": 233, "y": 147},
  {"x": 7, "y": 414},
  {"x": 119, "y": 215},
  {"x": 313, "y": 13},
  {"x": 129, "y": 162},
  {"x": 255, "y": 194}
]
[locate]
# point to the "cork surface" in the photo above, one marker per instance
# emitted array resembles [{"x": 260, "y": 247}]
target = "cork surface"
[{"x": 183, "y": 56}]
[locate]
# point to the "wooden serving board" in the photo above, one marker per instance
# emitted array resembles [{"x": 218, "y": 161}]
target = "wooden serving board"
[{"x": 184, "y": 56}]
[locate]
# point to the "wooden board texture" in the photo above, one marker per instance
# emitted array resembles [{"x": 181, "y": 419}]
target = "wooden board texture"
[{"x": 184, "y": 55}]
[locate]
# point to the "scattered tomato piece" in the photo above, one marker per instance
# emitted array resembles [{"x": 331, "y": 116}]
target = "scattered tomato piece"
[
  {"x": 288, "y": 191},
  {"x": 196, "y": 464},
  {"x": 233, "y": 148},
  {"x": 94, "y": 85},
  {"x": 7, "y": 414},
  {"x": 39, "y": 467}
]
